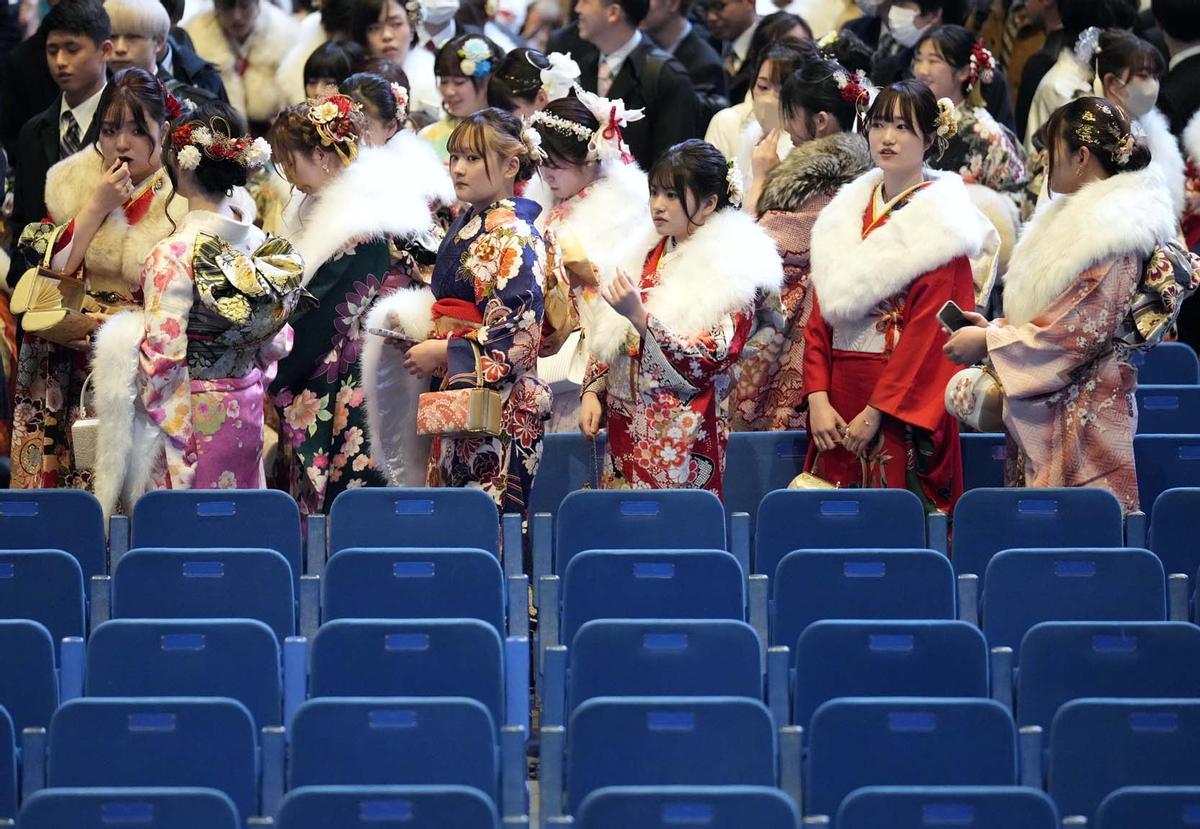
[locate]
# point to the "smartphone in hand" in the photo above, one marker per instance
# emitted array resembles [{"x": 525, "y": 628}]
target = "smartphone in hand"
[
  {"x": 392, "y": 335},
  {"x": 951, "y": 316}
]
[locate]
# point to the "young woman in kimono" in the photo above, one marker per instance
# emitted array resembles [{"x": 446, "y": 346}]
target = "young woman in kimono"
[
  {"x": 479, "y": 326},
  {"x": 819, "y": 103},
  {"x": 357, "y": 203},
  {"x": 890, "y": 249},
  {"x": 663, "y": 352},
  {"x": 181, "y": 386},
  {"x": 593, "y": 196},
  {"x": 109, "y": 204},
  {"x": 463, "y": 66},
  {"x": 1062, "y": 350}
]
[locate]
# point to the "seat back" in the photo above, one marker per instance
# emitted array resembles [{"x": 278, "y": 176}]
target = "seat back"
[
  {"x": 662, "y": 519},
  {"x": 8, "y": 767},
  {"x": 224, "y": 519},
  {"x": 969, "y": 807},
  {"x": 391, "y": 740},
  {"x": 810, "y": 585},
  {"x": 983, "y": 457},
  {"x": 664, "y": 658},
  {"x": 236, "y": 658},
  {"x": 757, "y": 463},
  {"x": 45, "y": 586},
  {"x": 206, "y": 584},
  {"x": 1167, "y": 363},
  {"x": 1163, "y": 807},
  {"x": 1168, "y": 410},
  {"x": 136, "y": 808},
  {"x": 414, "y": 584},
  {"x": 436, "y": 517},
  {"x": 1062, "y": 661},
  {"x": 58, "y": 519},
  {"x": 28, "y": 679},
  {"x": 827, "y": 519},
  {"x": 409, "y": 658},
  {"x": 157, "y": 741},
  {"x": 413, "y": 807},
  {"x": 1165, "y": 462},
  {"x": 1171, "y": 528},
  {"x": 667, "y": 807},
  {"x": 570, "y": 461},
  {"x": 887, "y": 659},
  {"x": 914, "y": 742},
  {"x": 987, "y": 521},
  {"x": 666, "y": 741},
  {"x": 651, "y": 584},
  {"x": 1025, "y": 587},
  {"x": 1099, "y": 745}
]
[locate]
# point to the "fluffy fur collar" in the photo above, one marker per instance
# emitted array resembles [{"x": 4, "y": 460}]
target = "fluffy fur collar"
[
  {"x": 255, "y": 91},
  {"x": 1124, "y": 214},
  {"x": 852, "y": 274},
  {"x": 290, "y": 75},
  {"x": 817, "y": 167},
  {"x": 1191, "y": 138},
  {"x": 719, "y": 270},
  {"x": 615, "y": 210},
  {"x": 1165, "y": 157},
  {"x": 386, "y": 191}
]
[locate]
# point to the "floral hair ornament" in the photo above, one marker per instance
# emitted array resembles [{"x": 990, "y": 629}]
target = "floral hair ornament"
[
  {"x": 532, "y": 139},
  {"x": 827, "y": 42},
  {"x": 400, "y": 96},
  {"x": 331, "y": 119},
  {"x": 194, "y": 140},
  {"x": 1087, "y": 47},
  {"x": 1124, "y": 149},
  {"x": 855, "y": 89},
  {"x": 475, "y": 58},
  {"x": 606, "y": 143},
  {"x": 562, "y": 74},
  {"x": 733, "y": 183},
  {"x": 947, "y": 120},
  {"x": 983, "y": 66}
]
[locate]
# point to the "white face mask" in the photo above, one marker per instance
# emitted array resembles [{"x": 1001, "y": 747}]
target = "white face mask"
[
  {"x": 437, "y": 12},
  {"x": 900, "y": 23},
  {"x": 1139, "y": 96},
  {"x": 766, "y": 111}
]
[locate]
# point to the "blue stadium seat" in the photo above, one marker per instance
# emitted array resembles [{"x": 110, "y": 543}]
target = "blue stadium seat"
[
  {"x": 662, "y": 741},
  {"x": 968, "y": 807},
  {"x": 757, "y": 463},
  {"x": 135, "y": 808},
  {"x": 987, "y": 521},
  {"x": 1168, "y": 410},
  {"x": 206, "y": 584},
  {"x": 28, "y": 679},
  {"x": 1171, "y": 529},
  {"x": 569, "y": 462},
  {"x": 58, "y": 519},
  {"x": 1163, "y": 807},
  {"x": 1167, "y": 363},
  {"x": 1025, "y": 587},
  {"x": 8, "y": 767},
  {"x": 371, "y": 807},
  {"x": 236, "y": 658},
  {"x": 414, "y": 584},
  {"x": 226, "y": 518},
  {"x": 810, "y": 585},
  {"x": 391, "y": 518},
  {"x": 983, "y": 456},
  {"x": 914, "y": 742},
  {"x": 669, "y": 807},
  {"x": 1165, "y": 462},
  {"x": 1062, "y": 661},
  {"x": 792, "y": 519},
  {"x": 45, "y": 586},
  {"x": 157, "y": 741},
  {"x": 887, "y": 659},
  {"x": 1099, "y": 745}
]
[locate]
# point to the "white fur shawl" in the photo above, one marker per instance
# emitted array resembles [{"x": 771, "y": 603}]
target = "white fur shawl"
[
  {"x": 386, "y": 191},
  {"x": 290, "y": 76},
  {"x": 852, "y": 274},
  {"x": 1165, "y": 157},
  {"x": 1127, "y": 213},
  {"x": 717, "y": 271},
  {"x": 1191, "y": 138}
]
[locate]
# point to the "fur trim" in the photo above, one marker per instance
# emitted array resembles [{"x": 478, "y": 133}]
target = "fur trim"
[
  {"x": 718, "y": 270},
  {"x": 425, "y": 174},
  {"x": 290, "y": 77},
  {"x": 391, "y": 392},
  {"x": 1191, "y": 138},
  {"x": 1003, "y": 221},
  {"x": 256, "y": 92},
  {"x": 852, "y": 274},
  {"x": 1165, "y": 157},
  {"x": 1127, "y": 213},
  {"x": 384, "y": 192},
  {"x": 814, "y": 168},
  {"x": 5, "y": 264}
]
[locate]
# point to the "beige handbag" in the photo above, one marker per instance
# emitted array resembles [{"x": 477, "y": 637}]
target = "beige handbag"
[
  {"x": 85, "y": 431},
  {"x": 807, "y": 480},
  {"x": 976, "y": 397},
  {"x": 460, "y": 413}
]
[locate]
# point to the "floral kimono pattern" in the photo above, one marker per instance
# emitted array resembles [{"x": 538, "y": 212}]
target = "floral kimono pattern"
[
  {"x": 985, "y": 152},
  {"x": 493, "y": 261}
]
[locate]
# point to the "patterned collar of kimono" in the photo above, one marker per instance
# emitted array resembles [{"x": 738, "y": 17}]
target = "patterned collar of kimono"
[{"x": 139, "y": 203}]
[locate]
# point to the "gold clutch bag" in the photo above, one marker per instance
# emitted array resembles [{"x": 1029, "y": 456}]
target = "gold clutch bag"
[
  {"x": 460, "y": 413},
  {"x": 808, "y": 480},
  {"x": 51, "y": 303}
]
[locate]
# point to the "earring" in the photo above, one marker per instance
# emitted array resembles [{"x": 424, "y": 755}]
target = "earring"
[{"x": 325, "y": 167}]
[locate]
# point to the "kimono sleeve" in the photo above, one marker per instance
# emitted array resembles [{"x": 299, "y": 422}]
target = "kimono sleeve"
[
  {"x": 688, "y": 364},
  {"x": 165, "y": 384},
  {"x": 818, "y": 352},
  {"x": 595, "y": 378}
]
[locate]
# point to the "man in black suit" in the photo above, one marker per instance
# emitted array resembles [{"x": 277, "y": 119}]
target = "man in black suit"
[
  {"x": 668, "y": 26},
  {"x": 26, "y": 88},
  {"x": 1179, "y": 96},
  {"x": 732, "y": 23},
  {"x": 628, "y": 66},
  {"x": 76, "y": 34}
]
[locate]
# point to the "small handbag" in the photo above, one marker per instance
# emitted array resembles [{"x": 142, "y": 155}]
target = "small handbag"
[
  {"x": 809, "y": 480},
  {"x": 460, "y": 413},
  {"x": 85, "y": 431},
  {"x": 982, "y": 397}
]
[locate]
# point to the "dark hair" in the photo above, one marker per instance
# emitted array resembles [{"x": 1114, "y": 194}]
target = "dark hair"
[
  {"x": 771, "y": 29},
  {"x": 78, "y": 17},
  {"x": 226, "y": 5},
  {"x": 1099, "y": 125},
  {"x": 850, "y": 51},
  {"x": 336, "y": 16},
  {"x": 1078, "y": 15},
  {"x": 388, "y": 70},
  {"x": 365, "y": 13},
  {"x": 496, "y": 131},
  {"x": 1177, "y": 18},
  {"x": 563, "y": 146},
  {"x": 518, "y": 77},
  {"x": 472, "y": 15},
  {"x": 132, "y": 90},
  {"x": 174, "y": 10},
  {"x": 215, "y": 176},
  {"x": 814, "y": 87},
  {"x": 954, "y": 44},
  {"x": 374, "y": 92},
  {"x": 334, "y": 59},
  {"x": 448, "y": 63},
  {"x": 785, "y": 56},
  {"x": 695, "y": 167},
  {"x": 953, "y": 11},
  {"x": 911, "y": 102},
  {"x": 635, "y": 10},
  {"x": 1121, "y": 50}
]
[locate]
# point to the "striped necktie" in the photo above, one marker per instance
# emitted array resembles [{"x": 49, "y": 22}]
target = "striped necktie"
[
  {"x": 1012, "y": 27},
  {"x": 604, "y": 78},
  {"x": 68, "y": 142}
]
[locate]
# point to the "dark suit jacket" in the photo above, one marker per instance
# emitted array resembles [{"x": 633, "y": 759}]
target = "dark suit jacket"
[
  {"x": 189, "y": 68},
  {"x": 1179, "y": 96},
  {"x": 38, "y": 143},
  {"x": 703, "y": 66},
  {"x": 26, "y": 88}
]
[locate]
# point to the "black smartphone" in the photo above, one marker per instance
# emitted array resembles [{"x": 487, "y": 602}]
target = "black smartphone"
[{"x": 952, "y": 316}]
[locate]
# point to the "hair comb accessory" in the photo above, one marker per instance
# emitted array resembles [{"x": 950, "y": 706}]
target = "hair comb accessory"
[
  {"x": 194, "y": 140},
  {"x": 532, "y": 140},
  {"x": 560, "y": 76},
  {"x": 1124, "y": 149},
  {"x": 983, "y": 65},
  {"x": 607, "y": 142},
  {"x": 400, "y": 95},
  {"x": 330, "y": 117},
  {"x": 1088, "y": 45},
  {"x": 475, "y": 58},
  {"x": 947, "y": 119},
  {"x": 560, "y": 124},
  {"x": 733, "y": 183}
]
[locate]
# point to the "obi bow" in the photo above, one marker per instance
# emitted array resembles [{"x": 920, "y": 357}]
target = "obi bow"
[{"x": 259, "y": 290}]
